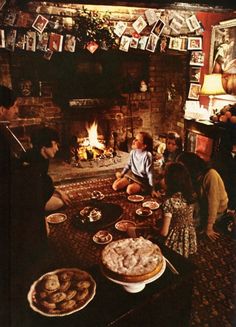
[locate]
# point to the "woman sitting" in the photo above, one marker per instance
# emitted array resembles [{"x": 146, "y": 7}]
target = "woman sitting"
[{"x": 210, "y": 190}]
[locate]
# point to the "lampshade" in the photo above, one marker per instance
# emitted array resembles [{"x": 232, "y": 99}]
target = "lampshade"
[{"x": 212, "y": 85}]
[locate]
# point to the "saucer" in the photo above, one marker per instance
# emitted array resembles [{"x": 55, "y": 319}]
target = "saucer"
[
  {"x": 123, "y": 225},
  {"x": 135, "y": 198},
  {"x": 153, "y": 205},
  {"x": 144, "y": 212},
  {"x": 56, "y": 218}
]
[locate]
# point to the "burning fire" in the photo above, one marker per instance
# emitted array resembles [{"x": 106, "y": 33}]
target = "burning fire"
[
  {"x": 91, "y": 147},
  {"x": 92, "y": 139}
]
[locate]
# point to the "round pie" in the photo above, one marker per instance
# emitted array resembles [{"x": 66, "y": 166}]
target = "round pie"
[{"x": 131, "y": 260}]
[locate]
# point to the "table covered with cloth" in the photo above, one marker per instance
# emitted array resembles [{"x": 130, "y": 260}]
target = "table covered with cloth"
[{"x": 73, "y": 242}]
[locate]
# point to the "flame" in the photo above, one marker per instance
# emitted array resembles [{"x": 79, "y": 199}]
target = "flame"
[{"x": 93, "y": 137}]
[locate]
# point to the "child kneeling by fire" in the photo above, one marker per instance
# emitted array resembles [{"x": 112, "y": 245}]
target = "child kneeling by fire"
[{"x": 137, "y": 176}]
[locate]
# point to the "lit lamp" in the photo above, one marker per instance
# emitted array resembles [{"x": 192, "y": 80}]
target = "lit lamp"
[{"x": 212, "y": 85}]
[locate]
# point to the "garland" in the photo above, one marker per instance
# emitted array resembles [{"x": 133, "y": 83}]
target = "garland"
[{"x": 92, "y": 27}]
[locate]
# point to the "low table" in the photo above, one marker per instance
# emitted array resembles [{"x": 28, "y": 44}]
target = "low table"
[{"x": 165, "y": 302}]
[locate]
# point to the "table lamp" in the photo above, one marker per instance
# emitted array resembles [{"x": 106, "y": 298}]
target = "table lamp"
[{"x": 212, "y": 85}]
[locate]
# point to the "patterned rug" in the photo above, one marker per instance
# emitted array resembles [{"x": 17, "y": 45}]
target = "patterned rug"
[
  {"x": 214, "y": 286},
  {"x": 213, "y": 301}
]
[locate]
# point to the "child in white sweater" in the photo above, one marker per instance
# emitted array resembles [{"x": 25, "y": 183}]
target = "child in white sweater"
[{"x": 137, "y": 175}]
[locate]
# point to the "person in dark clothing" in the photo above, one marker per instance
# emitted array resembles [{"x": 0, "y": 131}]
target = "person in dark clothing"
[
  {"x": 8, "y": 112},
  {"x": 210, "y": 190},
  {"x": 44, "y": 147},
  {"x": 22, "y": 203},
  {"x": 224, "y": 161}
]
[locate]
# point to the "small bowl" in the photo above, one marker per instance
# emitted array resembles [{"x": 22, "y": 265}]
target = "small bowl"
[
  {"x": 97, "y": 195},
  {"x": 144, "y": 212},
  {"x": 56, "y": 218},
  {"x": 123, "y": 225},
  {"x": 102, "y": 237}
]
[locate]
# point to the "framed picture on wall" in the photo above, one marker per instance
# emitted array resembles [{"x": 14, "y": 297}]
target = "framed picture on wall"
[
  {"x": 194, "y": 90},
  {"x": 196, "y": 58},
  {"x": 194, "y": 43},
  {"x": 194, "y": 74},
  {"x": 223, "y": 48}
]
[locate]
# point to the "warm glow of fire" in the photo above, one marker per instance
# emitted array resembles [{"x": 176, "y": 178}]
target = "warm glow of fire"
[{"x": 93, "y": 137}]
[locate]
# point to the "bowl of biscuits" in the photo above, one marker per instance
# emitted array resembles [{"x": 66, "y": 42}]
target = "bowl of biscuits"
[{"x": 61, "y": 292}]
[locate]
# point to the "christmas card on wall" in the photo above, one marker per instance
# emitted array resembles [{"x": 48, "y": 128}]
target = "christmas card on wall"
[
  {"x": 177, "y": 23},
  {"x": 40, "y": 23},
  {"x": 152, "y": 42},
  {"x": 158, "y": 27},
  {"x": 30, "y": 41},
  {"x": 92, "y": 46},
  {"x": 192, "y": 23},
  {"x": 55, "y": 42},
  {"x": 151, "y": 16},
  {"x": 139, "y": 24},
  {"x": 20, "y": 40},
  {"x": 70, "y": 42},
  {"x": 124, "y": 43},
  {"x": 2, "y": 39},
  {"x": 43, "y": 41},
  {"x": 120, "y": 28},
  {"x": 142, "y": 42},
  {"x": 10, "y": 40}
]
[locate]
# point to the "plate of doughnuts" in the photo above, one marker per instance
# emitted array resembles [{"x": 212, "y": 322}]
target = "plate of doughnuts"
[{"x": 61, "y": 292}]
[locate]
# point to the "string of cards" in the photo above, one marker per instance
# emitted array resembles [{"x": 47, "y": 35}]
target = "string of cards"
[{"x": 154, "y": 30}]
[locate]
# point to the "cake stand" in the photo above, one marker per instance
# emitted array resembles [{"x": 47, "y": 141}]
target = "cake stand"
[{"x": 137, "y": 287}]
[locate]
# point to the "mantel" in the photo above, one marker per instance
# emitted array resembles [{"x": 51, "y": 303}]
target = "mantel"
[
  {"x": 200, "y": 5},
  {"x": 87, "y": 103}
]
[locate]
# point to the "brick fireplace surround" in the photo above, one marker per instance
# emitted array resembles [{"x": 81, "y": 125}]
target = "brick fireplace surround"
[{"x": 153, "y": 111}]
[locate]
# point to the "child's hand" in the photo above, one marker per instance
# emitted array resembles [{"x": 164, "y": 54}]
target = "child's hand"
[
  {"x": 155, "y": 194},
  {"x": 118, "y": 175}
]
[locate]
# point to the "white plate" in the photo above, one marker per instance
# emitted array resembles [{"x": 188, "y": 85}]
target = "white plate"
[
  {"x": 34, "y": 301},
  {"x": 135, "y": 198},
  {"x": 102, "y": 237},
  {"x": 123, "y": 225},
  {"x": 153, "y": 205},
  {"x": 137, "y": 287},
  {"x": 56, "y": 218},
  {"x": 140, "y": 212}
]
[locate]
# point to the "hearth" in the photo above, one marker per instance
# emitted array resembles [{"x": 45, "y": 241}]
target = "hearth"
[{"x": 63, "y": 172}]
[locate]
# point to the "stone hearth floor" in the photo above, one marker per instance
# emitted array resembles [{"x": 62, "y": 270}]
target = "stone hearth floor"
[{"x": 63, "y": 172}]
